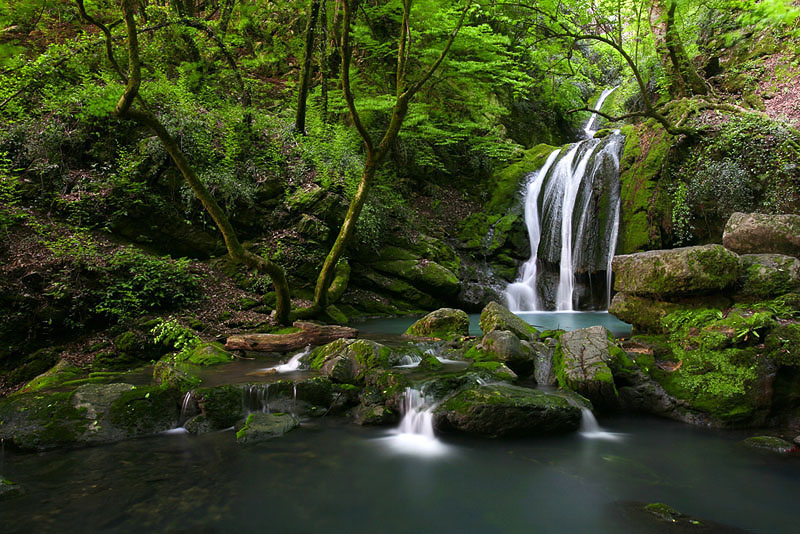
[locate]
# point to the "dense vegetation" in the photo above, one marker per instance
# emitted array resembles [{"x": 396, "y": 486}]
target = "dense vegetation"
[{"x": 260, "y": 128}]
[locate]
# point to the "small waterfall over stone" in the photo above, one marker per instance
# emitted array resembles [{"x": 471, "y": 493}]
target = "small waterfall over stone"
[
  {"x": 415, "y": 435},
  {"x": 592, "y": 430},
  {"x": 572, "y": 217}
]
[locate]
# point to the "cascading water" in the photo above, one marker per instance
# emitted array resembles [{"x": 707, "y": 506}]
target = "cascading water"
[
  {"x": 415, "y": 433},
  {"x": 572, "y": 217}
]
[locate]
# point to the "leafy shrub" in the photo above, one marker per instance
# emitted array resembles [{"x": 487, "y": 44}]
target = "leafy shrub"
[{"x": 136, "y": 283}]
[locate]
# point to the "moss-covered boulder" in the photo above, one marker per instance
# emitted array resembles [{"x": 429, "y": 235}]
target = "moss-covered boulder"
[
  {"x": 495, "y": 316},
  {"x": 782, "y": 344},
  {"x": 769, "y": 444},
  {"x": 758, "y": 233},
  {"x": 425, "y": 274},
  {"x": 676, "y": 272},
  {"x": 63, "y": 371},
  {"x": 205, "y": 354},
  {"x": 347, "y": 360},
  {"x": 92, "y": 414},
  {"x": 768, "y": 275},
  {"x": 647, "y": 314},
  {"x": 516, "y": 354},
  {"x": 444, "y": 323},
  {"x": 265, "y": 426},
  {"x": 500, "y": 410},
  {"x": 581, "y": 364},
  {"x": 221, "y": 407}
]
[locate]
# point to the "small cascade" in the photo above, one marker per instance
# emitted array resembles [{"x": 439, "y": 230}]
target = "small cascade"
[
  {"x": 293, "y": 364},
  {"x": 188, "y": 410},
  {"x": 415, "y": 434},
  {"x": 255, "y": 398},
  {"x": 591, "y": 429},
  {"x": 572, "y": 216}
]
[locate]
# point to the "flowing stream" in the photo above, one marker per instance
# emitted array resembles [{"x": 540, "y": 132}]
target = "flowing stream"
[
  {"x": 572, "y": 215},
  {"x": 415, "y": 436}
]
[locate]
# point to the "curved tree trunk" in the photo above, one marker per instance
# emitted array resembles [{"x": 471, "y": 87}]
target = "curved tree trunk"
[{"x": 683, "y": 77}]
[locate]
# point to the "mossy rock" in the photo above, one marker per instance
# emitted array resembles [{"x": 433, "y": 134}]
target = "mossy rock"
[
  {"x": 444, "y": 323},
  {"x": 647, "y": 314},
  {"x": 42, "y": 421},
  {"x": 495, "y": 316},
  {"x": 768, "y": 275},
  {"x": 676, "y": 272},
  {"x": 221, "y": 406},
  {"x": 581, "y": 363},
  {"x": 205, "y": 354},
  {"x": 424, "y": 274},
  {"x": 347, "y": 360},
  {"x": 769, "y": 444},
  {"x": 265, "y": 426},
  {"x": 145, "y": 410},
  {"x": 179, "y": 375},
  {"x": 504, "y": 410},
  {"x": 783, "y": 344},
  {"x": 517, "y": 355},
  {"x": 63, "y": 371},
  {"x": 758, "y": 233},
  {"x": 498, "y": 370},
  {"x": 34, "y": 365}
]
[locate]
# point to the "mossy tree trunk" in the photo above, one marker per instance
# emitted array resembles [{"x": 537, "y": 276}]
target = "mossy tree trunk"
[
  {"x": 683, "y": 77},
  {"x": 123, "y": 109},
  {"x": 305, "y": 70},
  {"x": 405, "y": 91}
]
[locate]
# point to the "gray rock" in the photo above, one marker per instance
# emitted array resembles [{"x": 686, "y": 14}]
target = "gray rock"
[
  {"x": 346, "y": 360},
  {"x": 445, "y": 323},
  {"x": 500, "y": 410},
  {"x": 768, "y": 275},
  {"x": 9, "y": 490},
  {"x": 264, "y": 426},
  {"x": 497, "y": 317},
  {"x": 676, "y": 272},
  {"x": 516, "y": 354},
  {"x": 758, "y": 233},
  {"x": 582, "y": 364},
  {"x": 544, "y": 373}
]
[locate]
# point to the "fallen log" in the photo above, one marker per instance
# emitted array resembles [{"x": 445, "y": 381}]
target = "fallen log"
[{"x": 310, "y": 334}]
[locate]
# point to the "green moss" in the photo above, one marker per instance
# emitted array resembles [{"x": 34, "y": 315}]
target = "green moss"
[
  {"x": 783, "y": 344},
  {"x": 222, "y": 405},
  {"x": 205, "y": 354},
  {"x": 42, "y": 421},
  {"x": 143, "y": 409},
  {"x": 498, "y": 370},
  {"x": 62, "y": 372},
  {"x": 481, "y": 355},
  {"x": 663, "y": 512}
]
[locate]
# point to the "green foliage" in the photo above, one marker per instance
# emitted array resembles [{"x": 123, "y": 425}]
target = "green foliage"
[
  {"x": 681, "y": 222},
  {"x": 10, "y": 210},
  {"x": 173, "y": 334},
  {"x": 136, "y": 283}
]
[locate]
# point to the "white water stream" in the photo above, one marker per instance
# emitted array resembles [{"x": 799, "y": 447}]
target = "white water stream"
[
  {"x": 563, "y": 187},
  {"x": 415, "y": 434}
]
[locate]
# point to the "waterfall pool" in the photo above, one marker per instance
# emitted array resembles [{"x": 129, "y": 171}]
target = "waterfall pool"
[
  {"x": 540, "y": 319},
  {"x": 329, "y": 476}
]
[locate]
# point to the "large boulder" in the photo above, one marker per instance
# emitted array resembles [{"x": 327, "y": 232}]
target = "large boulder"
[
  {"x": 425, "y": 274},
  {"x": 768, "y": 275},
  {"x": 443, "y": 323},
  {"x": 516, "y": 354},
  {"x": 544, "y": 351},
  {"x": 347, "y": 360},
  {"x": 676, "y": 272},
  {"x": 500, "y": 410},
  {"x": 581, "y": 363},
  {"x": 646, "y": 314},
  {"x": 92, "y": 414},
  {"x": 497, "y": 317},
  {"x": 758, "y": 233}
]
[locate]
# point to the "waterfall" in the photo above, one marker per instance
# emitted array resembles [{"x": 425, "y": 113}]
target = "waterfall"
[
  {"x": 415, "y": 435},
  {"x": 572, "y": 216},
  {"x": 591, "y": 429},
  {"x": 293, "y": 364}
]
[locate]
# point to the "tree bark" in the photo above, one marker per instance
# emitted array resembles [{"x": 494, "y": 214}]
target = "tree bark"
[
  {"x": 684, "y": 79},
  {"x": 305, "y": 70}
]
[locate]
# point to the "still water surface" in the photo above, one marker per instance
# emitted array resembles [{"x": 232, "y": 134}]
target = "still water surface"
[{"x": 332, "y": 477}]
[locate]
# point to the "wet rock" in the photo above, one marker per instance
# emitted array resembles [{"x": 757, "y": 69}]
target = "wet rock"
[
  {"x": 265, "y": 426},
  {"x": 581, "y": 363},
  {"x": 347, "y": 360},
  {"x": 445, "y": 323},
  {"x": 676, "y": 272},
  {"x": 510, "y": 350},
  {"x": 221, "y": 406},
  {"x": 63, "y": 371},
  {"x": 544, "y": 373},
  {"x": 206, "y": 354},
  {"x": 758, "y": 233},
  {"x": 93, "y": 413},
  {"x": 768, "y": 275},
  {"x": 658, "y": 517},
  {"x": 497, "y": 317},
  {"x": 422, "y": 273},
  {"x": 504, "y": 410},
  {"x": 376, "y": 415},
  {"x": 768, "y": 443},
  {"x": 498, "y": 371}
]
